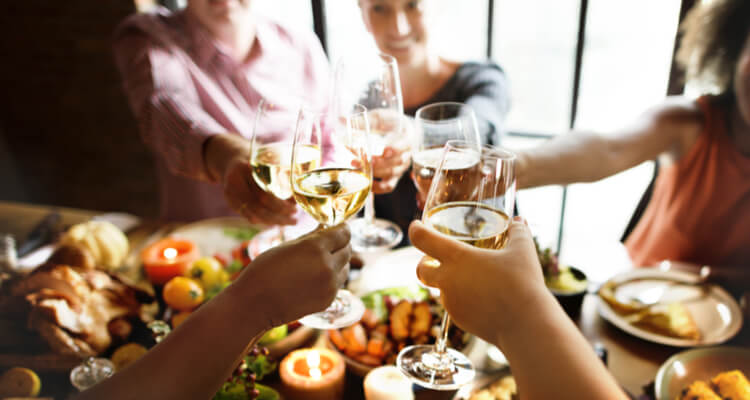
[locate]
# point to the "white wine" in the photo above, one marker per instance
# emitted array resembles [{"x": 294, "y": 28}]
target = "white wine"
[
  {"x": 272, "y": 165},
  {"x": 332, "y": 195},
  {"x": 459, "y": 170},
  {"x": 473, "y": 223}
]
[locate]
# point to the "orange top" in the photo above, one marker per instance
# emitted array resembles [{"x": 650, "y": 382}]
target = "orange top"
[{"x": 700, "y": 205}]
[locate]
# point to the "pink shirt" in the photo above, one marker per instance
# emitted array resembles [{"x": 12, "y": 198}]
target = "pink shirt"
[{"x": 183, "y": 88}]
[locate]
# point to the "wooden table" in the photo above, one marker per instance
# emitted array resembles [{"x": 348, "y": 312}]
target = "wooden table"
[{"x": 633, "y": 362}]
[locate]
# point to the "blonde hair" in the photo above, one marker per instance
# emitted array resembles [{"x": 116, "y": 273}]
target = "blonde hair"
[{"x": 714, "y": 35}]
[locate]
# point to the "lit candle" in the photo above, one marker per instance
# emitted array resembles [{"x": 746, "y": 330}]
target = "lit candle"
[
  {"x": 387, "y": 383},
  {"x": 312, "y": 374},
  {"x": 167, "y": 258}
]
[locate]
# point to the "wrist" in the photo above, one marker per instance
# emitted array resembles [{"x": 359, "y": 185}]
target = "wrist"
[
  {"x": 220, "y": 151},
  {"x": 248, "y": 303},
  {"x": 538, "y": 311}
]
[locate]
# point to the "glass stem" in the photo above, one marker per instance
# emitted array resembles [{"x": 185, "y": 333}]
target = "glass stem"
[
  {"x": 370, "y": 209},
  {"x": 282, "y": 234},
  {"x": 442, "y": 341}
]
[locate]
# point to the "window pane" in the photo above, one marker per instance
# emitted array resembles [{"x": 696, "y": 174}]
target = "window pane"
[
  {"x": 534, "y": 40},
  {"x": 625, "y": 71},
  {"x": 346, "y": 30}
]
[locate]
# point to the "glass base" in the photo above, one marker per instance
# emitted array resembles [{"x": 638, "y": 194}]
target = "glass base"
[
  {"x": 380, "y": 235},
  {"x": 345, "y": 310},
  {"x": 425, "y": 367}
]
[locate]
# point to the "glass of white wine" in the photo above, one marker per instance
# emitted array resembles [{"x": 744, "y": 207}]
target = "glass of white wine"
[
  {"x": 372, "y": 80},
  {"x": 271, "y": 160},
  {"x": 436, "y": 124},
  {"x": 472, "y": 204},
  {"x": 335, "y": 190}
]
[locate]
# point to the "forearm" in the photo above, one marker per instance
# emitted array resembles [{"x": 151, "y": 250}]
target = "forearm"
[
  {"x": 220, "y": 150},
  {"x": 572, "y": 157},
  {"x": 549, "y": 345},
  {"x": 195, "y": 359}
]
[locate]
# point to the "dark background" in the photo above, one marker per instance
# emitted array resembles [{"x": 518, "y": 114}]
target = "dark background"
[{"x": 67, "y": 136}]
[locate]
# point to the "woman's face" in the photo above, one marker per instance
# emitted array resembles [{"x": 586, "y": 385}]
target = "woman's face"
[
  {"x": 742, "y": 82},
  {"x": 217, "y": 15},
  {"x": 398, "y": 27}
]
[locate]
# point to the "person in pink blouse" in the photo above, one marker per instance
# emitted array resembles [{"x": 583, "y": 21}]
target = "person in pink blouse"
[{"x": 194, "y": 79}]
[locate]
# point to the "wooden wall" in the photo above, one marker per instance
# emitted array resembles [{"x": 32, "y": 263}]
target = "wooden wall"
[{"x": 69, "y": 137}]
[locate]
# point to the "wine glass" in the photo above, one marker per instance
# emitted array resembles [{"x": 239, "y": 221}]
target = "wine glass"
[
  {"x": 372, "y": 80},
  {"x": 436, "y": 124},
  {"x": 271, "y": 160},
  {"x": 471, "y": 200},
  {"x": 335, "y": 190}
]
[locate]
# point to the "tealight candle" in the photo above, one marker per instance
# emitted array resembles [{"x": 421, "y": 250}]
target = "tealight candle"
[
  {"x": 312, "y": 374},
  {"x": 387, "y": 383},
  {"x": 167, "y": 258}
]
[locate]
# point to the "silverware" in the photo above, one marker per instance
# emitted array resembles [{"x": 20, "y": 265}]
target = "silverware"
[{"x": 43, "y": 233}]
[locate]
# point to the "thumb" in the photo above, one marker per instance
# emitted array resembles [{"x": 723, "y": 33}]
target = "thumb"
[
  {"x": 433, "y": 243},
  {"x": 519, "y": 234},
  {"x": 429, "y": 272}
]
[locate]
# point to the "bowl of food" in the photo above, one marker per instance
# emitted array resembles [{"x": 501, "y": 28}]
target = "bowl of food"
[
  {"x": 568, "y": 284},
  {"x": 394, "y": 318}
]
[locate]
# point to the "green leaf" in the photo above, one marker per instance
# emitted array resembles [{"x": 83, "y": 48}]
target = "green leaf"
[
  {"x": 266, "y": 393},
  {"x": 231, "y": 391},
  {"x": 241, "y": 233},
  {"x": 260, "y": 365},
  {"x": 234, "y": 266}
]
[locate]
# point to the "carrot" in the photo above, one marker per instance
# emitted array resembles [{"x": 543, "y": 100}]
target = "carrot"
[
  {"x": 369, "y": 319},
  {"x": 337, "y": 339},
  {"x": 356, "y": 339},
  {"x": 375, "y": 347}
]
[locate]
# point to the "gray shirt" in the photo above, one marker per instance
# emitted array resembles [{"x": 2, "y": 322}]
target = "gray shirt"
[{"x": 483, "y": 86}]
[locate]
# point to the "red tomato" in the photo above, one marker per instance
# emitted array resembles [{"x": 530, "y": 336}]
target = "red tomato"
[
  {"x": 242, "y": 253},
  {"x": 221, "y": 259}
]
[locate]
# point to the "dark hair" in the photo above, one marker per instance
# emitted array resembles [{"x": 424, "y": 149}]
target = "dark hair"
[{"x": 714, "y": 35}]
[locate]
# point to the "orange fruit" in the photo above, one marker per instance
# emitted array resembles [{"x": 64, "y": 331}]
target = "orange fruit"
[{"x": 183, "y": 294}]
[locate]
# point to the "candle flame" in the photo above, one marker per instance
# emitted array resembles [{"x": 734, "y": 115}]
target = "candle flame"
[
  {"x": 313, "y": 363},
  {"x": 170, "y": 253}
]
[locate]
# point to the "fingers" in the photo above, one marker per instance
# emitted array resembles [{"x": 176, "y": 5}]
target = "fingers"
[
  {"x": 433, "y": 243},
  {"x": 381, "y": 187},
  {"x": 429, "y": 272},
  {"x": 340, "y": 260},
  {"x": 335, "y": 238}
]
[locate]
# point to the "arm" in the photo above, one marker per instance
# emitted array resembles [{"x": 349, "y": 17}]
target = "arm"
[
  {"x": 195, "y": 359},
  {"x": 185, "y": 137},
  {"x": 487, "y": 93},
  {"x": 512, "y": 308},
  {"x": 669, "y": 129}
]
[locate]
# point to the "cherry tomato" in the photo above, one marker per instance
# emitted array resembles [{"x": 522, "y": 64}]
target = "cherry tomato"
[
  {"x": 242, "y": 253},
  {"x": 208, "y": 272},
  {"x": 183, "y": 293}
]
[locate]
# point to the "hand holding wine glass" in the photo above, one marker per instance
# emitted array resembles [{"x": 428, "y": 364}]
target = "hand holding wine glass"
[
  {"x": 335, "y": 190},
  {"x": 470, "y": 200},
  {"x": 271, "y": 160}
]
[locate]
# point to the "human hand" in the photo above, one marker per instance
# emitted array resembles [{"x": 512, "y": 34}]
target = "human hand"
[
  {"x": 511, "y": 279},
  {"x": 298, "y": 277},
  {"x": 252, "y": 202},
  {"x": 388, "y": 169}
]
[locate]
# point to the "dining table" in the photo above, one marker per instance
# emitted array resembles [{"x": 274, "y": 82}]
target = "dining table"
[{"x": 633, "y": 362}]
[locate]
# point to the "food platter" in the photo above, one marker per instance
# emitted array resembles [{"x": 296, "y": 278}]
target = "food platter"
[
  {"x": 378, "y": 323},
  {"x": 688, "y": 366},
  {"x": 716, "y": 314}
]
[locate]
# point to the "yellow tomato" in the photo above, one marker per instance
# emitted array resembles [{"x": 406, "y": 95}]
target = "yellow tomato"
[
  {"x": 209, "y": 272},
  {"x": 183, "y": 293}
]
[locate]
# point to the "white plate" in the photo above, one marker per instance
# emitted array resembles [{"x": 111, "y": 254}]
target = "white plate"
[
  {"x": 210, "y": 234},
  {"x": 716, "y": 313},
  {"x": 686, "y": 367}
]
